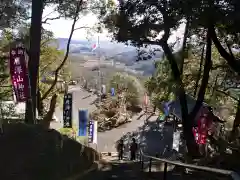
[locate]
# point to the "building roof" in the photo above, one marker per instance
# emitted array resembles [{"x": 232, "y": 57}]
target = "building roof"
[{"x": 175, "y": 107}]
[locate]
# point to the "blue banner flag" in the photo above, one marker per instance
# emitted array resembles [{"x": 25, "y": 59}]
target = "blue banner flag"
[
  {"x": 167, "y": 108},
  {"x": 90, "y": 131},
  {"x": 83, "y": 122},
  {"x": 112, "y": 92}
]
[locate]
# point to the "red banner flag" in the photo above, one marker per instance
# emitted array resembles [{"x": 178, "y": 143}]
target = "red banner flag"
[
  {"x": 18, "y": 72},
  {"x": 145, "y": 99}
]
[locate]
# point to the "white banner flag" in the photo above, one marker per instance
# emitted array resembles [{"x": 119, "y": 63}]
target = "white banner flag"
[
  {"x": 95, "y": 132},
  {"x": 176, "y": 140}
]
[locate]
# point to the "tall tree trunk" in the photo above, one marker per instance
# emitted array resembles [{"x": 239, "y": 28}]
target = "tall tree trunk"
[
  {"x": 184, "y": 47},
  {"x": 199, "y": 72},
  {"x": 48, "y": 117},
  {"x": 187, "y": 123},
  {"x": 40, "y": 106},
  {"x": 34, "y": 56},
  {"x": 204, "y": 83},
  {"x": 231, "y": 60},
  {"x": 188, "y": 119},
  {"x": 236, "y": 122}
]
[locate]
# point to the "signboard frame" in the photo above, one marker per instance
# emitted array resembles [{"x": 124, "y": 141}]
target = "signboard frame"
[
  {"x": 19, "y": 73},
  {"x": 67, "y": 110},
  {"x": 82, "y": 122},
  {"x": 90, "y": 131}
]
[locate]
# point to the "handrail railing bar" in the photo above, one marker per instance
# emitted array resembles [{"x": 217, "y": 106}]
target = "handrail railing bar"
[{"x": 233, "y": 174}]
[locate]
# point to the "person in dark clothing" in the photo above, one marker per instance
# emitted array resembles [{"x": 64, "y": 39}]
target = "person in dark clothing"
[
  {"x": 120, "y": 148},
  {"x": 133, "y": 149}
]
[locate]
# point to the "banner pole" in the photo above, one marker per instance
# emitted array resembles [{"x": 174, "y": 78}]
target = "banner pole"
[
  {"x": 2, "y": 119},
  {"x": 29, "y": 99}
]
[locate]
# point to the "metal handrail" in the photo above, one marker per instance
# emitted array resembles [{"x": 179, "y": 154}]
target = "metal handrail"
[{"x": 232, "y": 174}]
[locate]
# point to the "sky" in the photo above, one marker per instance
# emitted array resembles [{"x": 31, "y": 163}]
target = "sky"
[{"x": 61, "y": 27}]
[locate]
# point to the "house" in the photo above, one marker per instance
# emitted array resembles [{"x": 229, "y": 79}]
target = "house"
[
  {"x": 11, "y": 110},
  {"x": 175, "y": 108}
]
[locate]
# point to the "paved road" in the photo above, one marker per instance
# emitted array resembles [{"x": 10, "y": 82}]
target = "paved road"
[
  {"x": 152, "y": 137},
  {"x": 107, "y": 140},
  {"x": 81, "y": 100}
]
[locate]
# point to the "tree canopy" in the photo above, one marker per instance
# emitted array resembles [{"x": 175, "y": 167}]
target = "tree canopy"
[{"x": 207, "y": 22}]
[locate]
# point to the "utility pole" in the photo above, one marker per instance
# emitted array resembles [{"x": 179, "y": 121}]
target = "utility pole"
[{"x": 99, "y": 70}]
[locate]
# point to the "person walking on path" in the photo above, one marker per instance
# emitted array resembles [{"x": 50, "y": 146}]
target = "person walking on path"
[
  {"x": 133, "y": 149},
  {"x": 120, "y": 149}
]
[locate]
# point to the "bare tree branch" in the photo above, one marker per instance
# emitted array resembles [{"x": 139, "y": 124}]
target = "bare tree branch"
[
  {"x": 232, "y": 61},
  {"x": 184, "y": 46},
  {"x": 221, "y": 66},
  {"x": 45, "y": 67},
  {"x": 206, "y": 70},
  {"x": 199, "y": 71},
  {"x": 43, "y": 43},
  {"x": 227, "y": 94},
  {"x": 50, "y": 19},
  {"x": 229, "y": 88},
  {"x": 49, "y": 14},
  {"x": 82, "y": 27},
  {"x": 67, "y": 52}
]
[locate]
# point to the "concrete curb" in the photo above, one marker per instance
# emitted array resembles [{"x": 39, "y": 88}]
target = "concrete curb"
[{"x": 77, "y": 176}]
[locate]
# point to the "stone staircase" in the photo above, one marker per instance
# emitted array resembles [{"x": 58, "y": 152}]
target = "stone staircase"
[
  {"x": 114, "y": 169},
  {"x": 110, "y": 168}
]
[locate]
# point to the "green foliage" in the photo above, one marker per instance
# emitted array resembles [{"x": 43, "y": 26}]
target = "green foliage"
[
  {"x": 6, "y": 88},
  {"x": 50, "y": 59},
  {"x": 13, "y": 13},
  {"x": 161, "y": 85},
  {"x": 73, "y": 134},
  {"x": 70, "y": 132},
  {"x": 134, "y": 89}
]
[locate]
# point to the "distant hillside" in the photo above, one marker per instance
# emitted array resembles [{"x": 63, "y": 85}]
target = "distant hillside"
[{"x": 126, "y": 55}]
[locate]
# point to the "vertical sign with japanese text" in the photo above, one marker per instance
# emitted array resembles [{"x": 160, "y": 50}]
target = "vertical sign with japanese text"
[
  {"x": 19, "y": 74},
  {"x": 67, "y": 110},
  {"x": 90, "y": 131}
]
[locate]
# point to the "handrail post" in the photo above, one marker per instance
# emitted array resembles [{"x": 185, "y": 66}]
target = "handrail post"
[
  {"x": 165, "y": 171},
  {"x": 142, "y": 163},
  {"x": 234, "y": 175},
  {"x": 150, "y": 165}
]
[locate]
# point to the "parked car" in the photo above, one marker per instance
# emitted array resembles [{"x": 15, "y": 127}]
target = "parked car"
[
  {"x": 95, "y": 68},
  {"x": 72, "y": 82}
]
